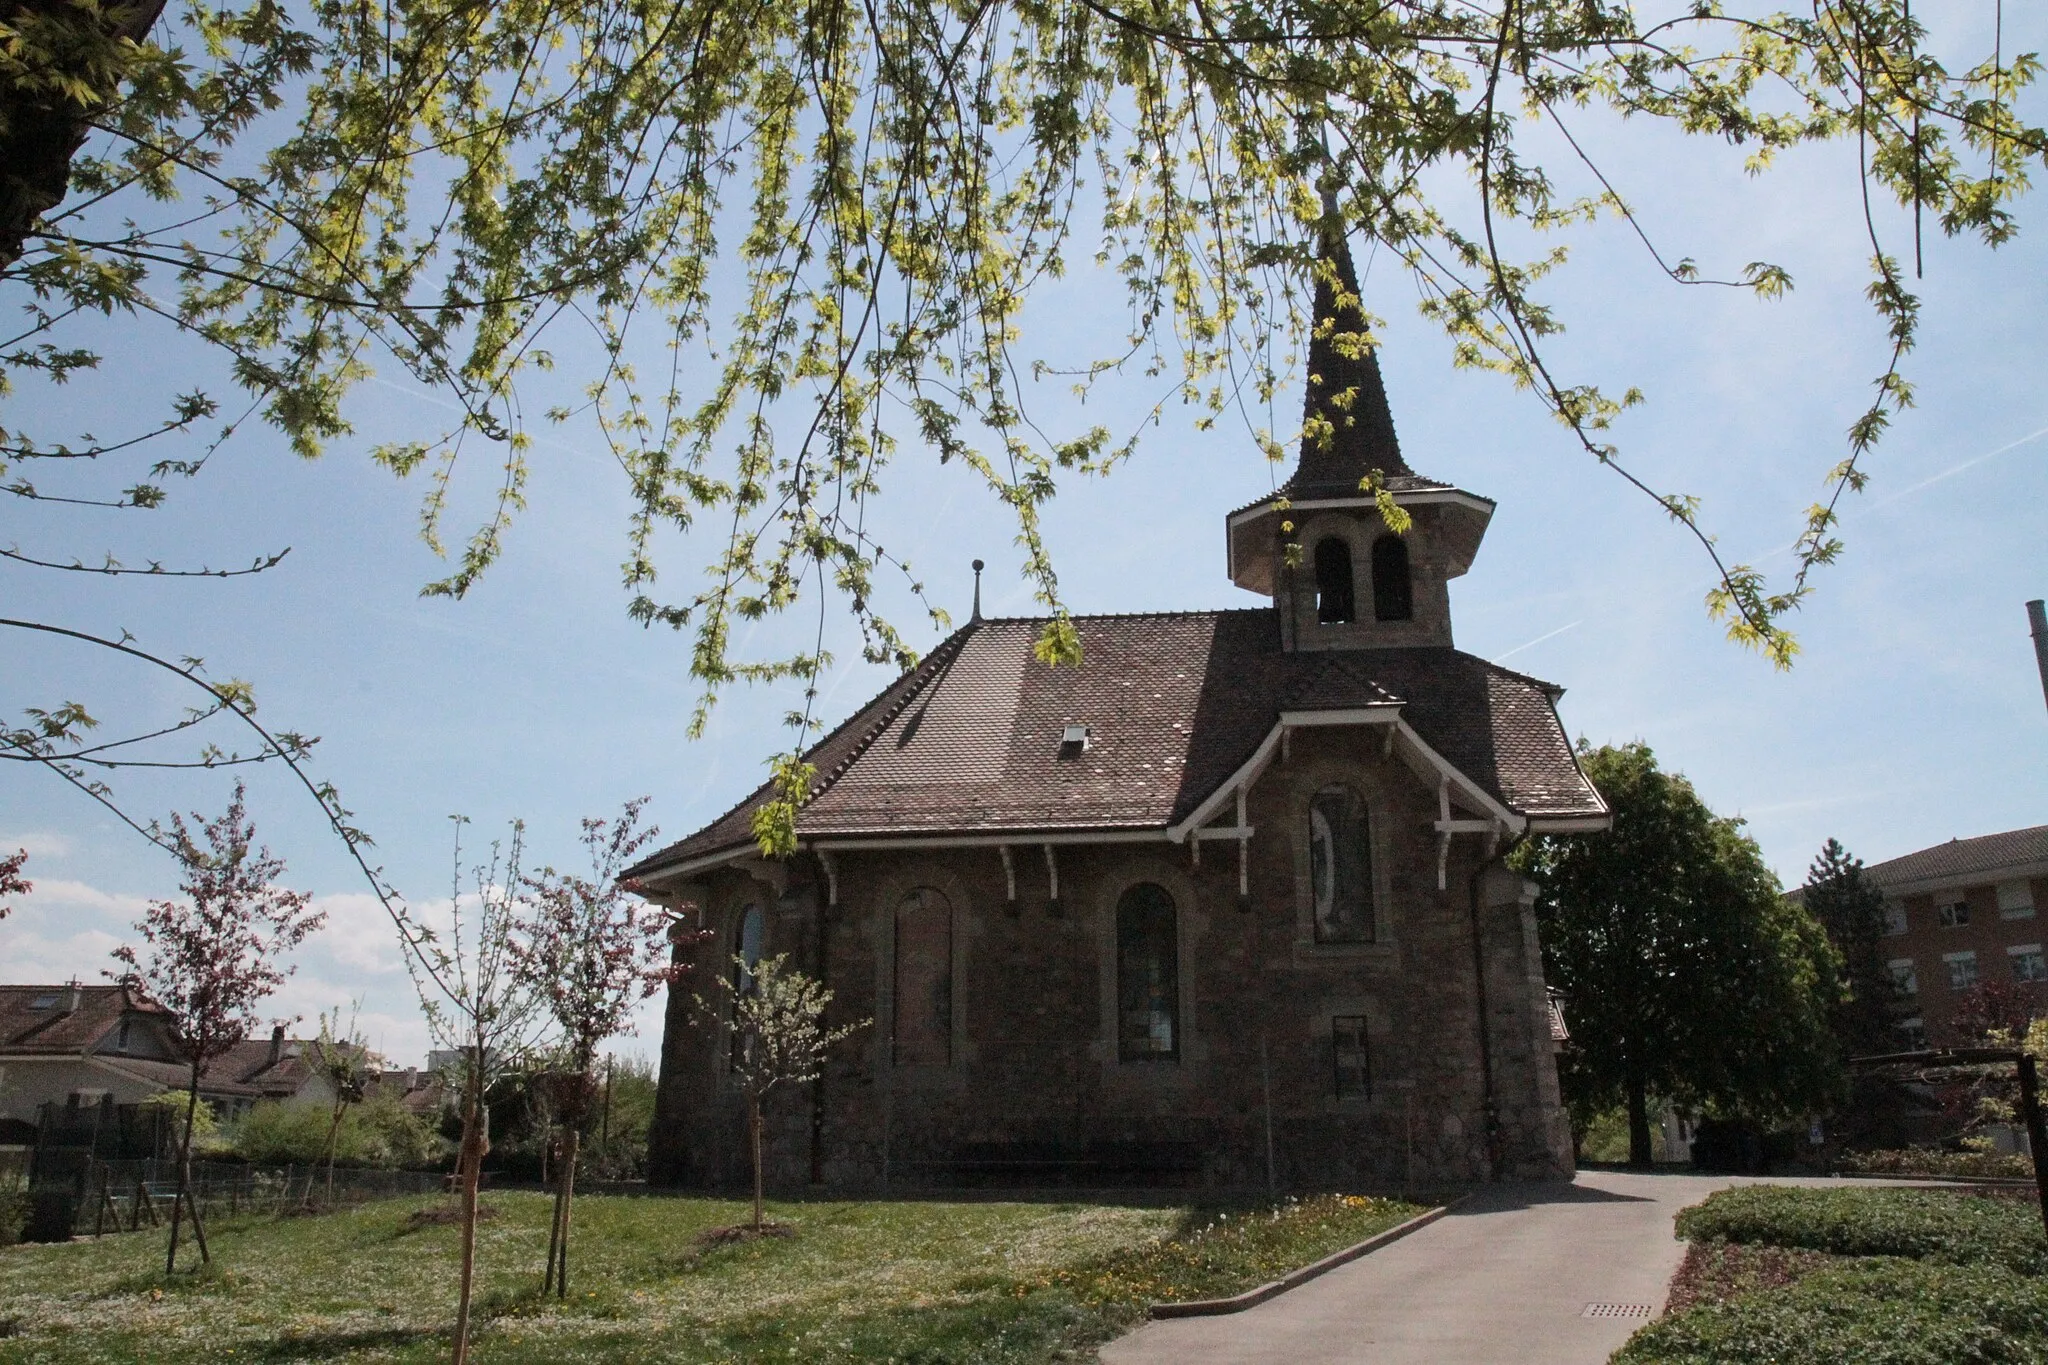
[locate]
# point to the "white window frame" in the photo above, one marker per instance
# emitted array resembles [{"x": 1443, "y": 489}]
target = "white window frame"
[
  {"x": 1915, "y": 1030},
  {"x": 1953, "y": 913},
  {"x": 2020, "y": 951},
  {"x": 1895, "y": 922},
  {"x": 1904, "y": 975},
  {"x": 1955, "y": 960},
  {"x": 2015, "y": 900}
]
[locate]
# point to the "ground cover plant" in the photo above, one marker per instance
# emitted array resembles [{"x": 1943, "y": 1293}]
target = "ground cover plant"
[
  {"x": 1872, "y": 1276},
  {"x": 859, "y": 1281},
  {"x": 1931, "y": 1225},
  {"x": 1923, "y": 1161}
]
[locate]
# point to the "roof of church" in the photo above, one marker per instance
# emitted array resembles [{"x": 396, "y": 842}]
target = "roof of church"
[
  {"x": 1346, "y": 391},
  {"x": 969, "y": 741}
]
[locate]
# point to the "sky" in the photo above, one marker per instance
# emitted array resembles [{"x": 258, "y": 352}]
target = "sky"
[{"x": 1914, "y": 713}]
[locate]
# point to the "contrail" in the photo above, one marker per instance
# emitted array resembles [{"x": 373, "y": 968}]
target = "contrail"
[{"x": 1537, "y": 641}]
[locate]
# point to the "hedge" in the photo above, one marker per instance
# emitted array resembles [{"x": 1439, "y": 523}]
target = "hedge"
[
  {"x": 1922, "y": 1224},
  {"x": 1883, "y": 1311}
]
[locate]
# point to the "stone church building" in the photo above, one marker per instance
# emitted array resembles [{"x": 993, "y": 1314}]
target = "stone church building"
[{"x": 1226, "y": 903}]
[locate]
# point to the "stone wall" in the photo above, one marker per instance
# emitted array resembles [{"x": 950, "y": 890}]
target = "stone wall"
[{"x": 1033, "y": 1054}]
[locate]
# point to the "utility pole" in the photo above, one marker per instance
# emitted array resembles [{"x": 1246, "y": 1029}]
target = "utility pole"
[{"x": 2037, "y": 623}]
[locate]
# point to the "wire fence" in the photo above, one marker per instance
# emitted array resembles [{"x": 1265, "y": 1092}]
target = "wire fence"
[{"x": 101, "y": 1197}]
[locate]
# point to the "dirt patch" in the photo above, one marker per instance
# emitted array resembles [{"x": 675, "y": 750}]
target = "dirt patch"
[
  {"x": 713, "y": 1238},
  {"x": 1716, "y": 1271},
  {"x": 446, "y": 1215}
]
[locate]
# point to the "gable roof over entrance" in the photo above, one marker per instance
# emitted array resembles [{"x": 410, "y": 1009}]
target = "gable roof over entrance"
[{"x": 1175, "y": 706}]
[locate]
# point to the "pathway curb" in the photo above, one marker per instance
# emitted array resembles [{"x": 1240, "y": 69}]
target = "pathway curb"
[{"x": 1251, "y": 1298}]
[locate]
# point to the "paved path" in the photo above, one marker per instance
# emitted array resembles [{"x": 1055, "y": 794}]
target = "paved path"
[{"x": 1504, "y": 1279}]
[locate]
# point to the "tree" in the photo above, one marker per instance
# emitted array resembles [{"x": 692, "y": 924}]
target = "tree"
[
  {"x": 779, "y": 1037},
  {"x": 213, "y": 960},
  {"x": 312, "y": 192},
  {"x": 1686, "y": 975},
  {"x": 12, "y": 883},
  {"x": 1852, "y": 912},
  {"x": 480, "y": 1004},
  {"x": 593, "y": 951},
  {"x": 345, "y": 1062}
]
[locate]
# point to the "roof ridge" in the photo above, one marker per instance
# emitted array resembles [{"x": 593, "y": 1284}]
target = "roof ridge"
[{"x": 1166, "y": 614}]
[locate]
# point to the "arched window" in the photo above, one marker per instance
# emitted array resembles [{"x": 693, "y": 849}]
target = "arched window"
[
  {"x": 1393, "y": 589},
  {"x": 1334, "y": 599},
  {"x": 1147, "y": 975},
  {"x": 1340, "y": 866},
  {"x": 923, "y": 1016},
  {"x": 747, "y": 949}
]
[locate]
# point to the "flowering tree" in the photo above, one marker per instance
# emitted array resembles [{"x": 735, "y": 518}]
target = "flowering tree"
[
  {"x": 12, "y": 883},
  {"x": 478, "y": 1002},
  {"x": 592, "y": 951},
  {"x": 344, "y": 1061},
  {"x": 779, "y": 1034},
  {"x": 212, "y": 960}
]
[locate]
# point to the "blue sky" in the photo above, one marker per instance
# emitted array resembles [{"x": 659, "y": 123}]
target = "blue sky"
[{"x": 1914, "y": 714}]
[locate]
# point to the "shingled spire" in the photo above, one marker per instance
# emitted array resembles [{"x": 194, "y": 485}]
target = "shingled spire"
[{"x": 1344, "y": 390}]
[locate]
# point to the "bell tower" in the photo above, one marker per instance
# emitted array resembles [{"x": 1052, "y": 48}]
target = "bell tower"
[{"x": 1319, "y": 546}]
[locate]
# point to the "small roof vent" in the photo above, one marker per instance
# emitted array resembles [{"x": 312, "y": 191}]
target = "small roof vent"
[{"x": 1074, "y": 737}]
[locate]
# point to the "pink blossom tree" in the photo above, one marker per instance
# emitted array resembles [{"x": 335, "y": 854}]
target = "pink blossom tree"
[
  {"x": 12, "y": 883},
  {"x": 593, "y": 951},
  {"x": 214, "y": 958}
]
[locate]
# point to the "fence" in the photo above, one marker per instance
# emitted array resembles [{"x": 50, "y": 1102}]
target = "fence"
[{"x": 96, "y": 1197}]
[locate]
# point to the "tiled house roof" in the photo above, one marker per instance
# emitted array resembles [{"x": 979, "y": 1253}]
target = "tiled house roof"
[
  {"x": 1175, "y": 704},
  {"x": 68, "y": 1019},
  {"x": 1959, "y": 858}
]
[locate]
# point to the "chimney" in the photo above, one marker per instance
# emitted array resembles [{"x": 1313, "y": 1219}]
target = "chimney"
[
  {"x": 74, "y": 996},
  {"x": 412, "y": 1079},
  {"x": 2037, "y": 624},
  {"x": 276, "y": 1043}
]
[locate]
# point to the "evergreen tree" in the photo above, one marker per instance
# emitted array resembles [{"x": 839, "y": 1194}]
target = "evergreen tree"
[
  {"x": 1687, "y": 975},
  {"x": 1852, "y": 912}
]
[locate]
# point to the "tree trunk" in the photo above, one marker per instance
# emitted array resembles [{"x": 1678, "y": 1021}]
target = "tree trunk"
[
  {"x": 183, "y": 1199},
  {"x": 566, "y": 1204},
  {"x": 474, "y": 1145},
  {"x": 754, "y": 1129},
  {"x": 333, "y": 1139},
  {"x": 1640, "y": 1152}
]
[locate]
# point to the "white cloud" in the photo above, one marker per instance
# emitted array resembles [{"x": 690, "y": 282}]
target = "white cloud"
[
  {"x": 53, "y": 895},
  {"x": 358, "y": 932},
  {"x": 38, "y": 843}
]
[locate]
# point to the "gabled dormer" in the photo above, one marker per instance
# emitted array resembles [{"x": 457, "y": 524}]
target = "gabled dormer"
[{"x": 1319, "y": 545}]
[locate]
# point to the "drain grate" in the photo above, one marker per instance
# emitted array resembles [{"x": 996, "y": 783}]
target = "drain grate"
[{"x": 1616, "y": 1310}]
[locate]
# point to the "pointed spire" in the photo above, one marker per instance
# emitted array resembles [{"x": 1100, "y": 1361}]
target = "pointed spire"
[
  {"x": 977, "y": 592},
  {"x": 1344, "y": 390}
]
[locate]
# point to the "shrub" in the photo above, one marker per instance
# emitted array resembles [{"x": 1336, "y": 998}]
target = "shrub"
[
  {"x": 1878, "y": 1312},
  {"x": 1927, "y": 1161},
  {"x": 381, "y": 1131},
  {"x": 1922, "y": 1224}
]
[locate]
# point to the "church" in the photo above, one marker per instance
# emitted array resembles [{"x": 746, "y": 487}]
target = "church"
[{"x": 1226, "y": 905}]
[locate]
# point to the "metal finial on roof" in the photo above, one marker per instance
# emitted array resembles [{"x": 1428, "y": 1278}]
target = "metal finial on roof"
[{"x": 977, "y": 591}]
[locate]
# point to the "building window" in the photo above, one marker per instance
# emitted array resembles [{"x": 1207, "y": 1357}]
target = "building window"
[
  {"x": 1335, "y": 601},
  {"x": 2026, "y": 962},
  {"x": 2015, "y": 900},
  {"x": 1962, "y": 970},
  {"x": 1953, "y": 914},
  {"x": 1913, "y": 1033},
  {"x": 1904, "y": 977},
  {"x": 1147, "y": 975},
  {"x": 923, "y": 1008},
  {"x": 1340, "y": 866},
  {"x": 1894, "y": 918},
  {"x": 1353, "y": 1057},
  {"x": 121, "y": 1038},
  {"x": 1393, "y": 589}
]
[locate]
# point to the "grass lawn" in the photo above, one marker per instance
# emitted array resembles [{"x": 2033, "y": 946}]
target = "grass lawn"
[{"x": 905, "y": 1281}]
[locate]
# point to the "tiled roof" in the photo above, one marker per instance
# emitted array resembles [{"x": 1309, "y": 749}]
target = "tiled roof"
[
  {"x": 1175, "y": 704},
  {"x": 1987, "y": 853},
  {"x": 67, "y": 1024}
]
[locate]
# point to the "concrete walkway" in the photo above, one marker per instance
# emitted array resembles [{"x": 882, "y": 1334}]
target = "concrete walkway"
[{"x": 1504, "y": 1279}]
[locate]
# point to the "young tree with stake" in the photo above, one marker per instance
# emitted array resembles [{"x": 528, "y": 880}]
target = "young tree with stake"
[
  {"x": 212, "y": 960},
  {"x": 345, "y": 1062},
  {"x": 479, "y": 1003},
  {"x": 779, "y": 1037},
  {"x": 592, "y": 950}
]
